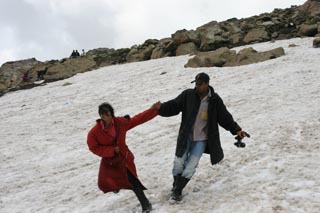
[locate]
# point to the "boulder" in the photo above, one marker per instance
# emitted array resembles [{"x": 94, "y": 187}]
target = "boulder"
[
  {"x": 68, "y": 68},
  {"x": 212, "y": 42},
  {"x": 187, "y": 48},
  {"x": 141, "y": 53},
  {"x": 232, "y": 31},
  {"x": 236, "y": 39},
  {"x": 185, "y": 36},
  {"x": 231, "y": 26},
  {"x": 158, "y": 52},
  {"x": 195, "y": 62},
  {"x": 215, "y": 58},
  {"x": 250, "y": 56},
  {"x": 149, "y": 42},
  {"x": 211, "y": 36},
  {"x": 165, "y": 47},
  {"x": 316, "y": 42},
  {"x": 11, "y": 73},
  {"x": 256, "y": 35},
  {"x": 308, "y": 30},
  {"x": 106, "y": 56},
  {"x": 225, "y": 57},
  {"x": 311, "y": 7},
  {"x": 292, "y": 45}
]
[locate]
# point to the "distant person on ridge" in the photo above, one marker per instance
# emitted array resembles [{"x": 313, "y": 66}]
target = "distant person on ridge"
[
  {"x": 41, "y": 74},
  {"x": 107, "y": 139},
  {"x": 73, "y": 54},
  {"x": 77, "y": 54},
  {"x": 202, "y": 111}
]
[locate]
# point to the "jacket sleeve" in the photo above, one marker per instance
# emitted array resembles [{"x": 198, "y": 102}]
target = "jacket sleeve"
[
  {"x": 98, "y": 149},
  {"x": 142, "y": 118},
  {"x": 172, "y": 107},
  {"x": 225, "y": 119}
]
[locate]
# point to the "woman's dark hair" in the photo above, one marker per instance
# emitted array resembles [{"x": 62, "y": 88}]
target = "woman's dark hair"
[{"x": 105, "y": 108}]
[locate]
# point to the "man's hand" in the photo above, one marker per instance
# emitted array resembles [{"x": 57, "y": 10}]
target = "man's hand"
[
  {"x": 156, "y": 105},
  {"x": 243, "y": 134},
  {"x": 116, "y": 149}
]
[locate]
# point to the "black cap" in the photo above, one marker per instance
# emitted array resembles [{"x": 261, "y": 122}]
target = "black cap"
[{"x": 201, "y": 78}]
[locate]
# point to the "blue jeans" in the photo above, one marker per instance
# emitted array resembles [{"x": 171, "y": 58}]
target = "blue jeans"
[{"x": 187, "y": 164}]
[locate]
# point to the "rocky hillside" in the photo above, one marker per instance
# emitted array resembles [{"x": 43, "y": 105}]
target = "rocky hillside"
[{"x": 297, "y": 21}]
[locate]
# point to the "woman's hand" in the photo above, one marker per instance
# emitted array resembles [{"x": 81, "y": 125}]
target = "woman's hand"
[{"x": 116, "y": 149}]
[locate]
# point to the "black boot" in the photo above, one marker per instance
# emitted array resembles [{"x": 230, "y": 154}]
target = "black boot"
[
  {"x": 174, "y": 182},
  {"x": 181, "y": 182},
  {"x": 145, "y": 204},
  {"x": 138, "y": 190}
]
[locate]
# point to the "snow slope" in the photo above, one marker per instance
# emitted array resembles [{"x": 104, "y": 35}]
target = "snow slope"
[{"x": 47, "y": 167}]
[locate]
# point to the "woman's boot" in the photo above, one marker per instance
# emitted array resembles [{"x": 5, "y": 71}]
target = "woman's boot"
[{"x": 145, "y": 204}]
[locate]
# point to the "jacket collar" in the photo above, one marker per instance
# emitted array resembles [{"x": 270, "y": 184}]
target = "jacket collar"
[
  {"x": 101, "y": 124},
  {"x": 211, "y": 94}
]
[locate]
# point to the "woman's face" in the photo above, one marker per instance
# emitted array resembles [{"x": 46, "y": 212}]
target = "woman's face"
[{"x": 106, "y": 117}]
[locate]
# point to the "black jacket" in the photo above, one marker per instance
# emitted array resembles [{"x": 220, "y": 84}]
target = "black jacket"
[{"x": 188, "y": 102}]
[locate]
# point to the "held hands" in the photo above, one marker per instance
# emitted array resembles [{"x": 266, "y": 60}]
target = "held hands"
[{"x": 156, "y": 105}]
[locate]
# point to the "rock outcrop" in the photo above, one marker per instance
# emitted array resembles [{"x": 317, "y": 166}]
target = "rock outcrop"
[
  {"x": 296, "y": 21},
  {"x": 216, "y": 58},
  {"x": 142, "y": 52},
  {"x": 105, "y": 56},
  {"x": 165, "y": 47},
  {"x": 250, "y": 56},
  {"x": 11, "y": 73},
  {"x": 224, "y": 57}
]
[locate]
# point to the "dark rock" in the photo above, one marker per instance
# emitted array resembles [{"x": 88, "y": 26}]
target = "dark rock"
[
  {"x": 250, "y": 56},
  {"x": 308, "y": 30},
  {"x": 316, "y": 42},
  {"x": 187, "y": 48},
  {"x": 215, "y": 58}
]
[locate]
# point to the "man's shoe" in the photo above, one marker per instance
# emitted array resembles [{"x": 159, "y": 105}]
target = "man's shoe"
[
  {"x": 180, "y": 183},
  {"x": 176, "y": 196}
]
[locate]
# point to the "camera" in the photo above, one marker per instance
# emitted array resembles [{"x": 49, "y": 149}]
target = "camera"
[{"x": 239, "y": 142}]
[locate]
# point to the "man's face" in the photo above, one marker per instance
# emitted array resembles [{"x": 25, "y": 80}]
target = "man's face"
[{"x": 202, "y": 88}]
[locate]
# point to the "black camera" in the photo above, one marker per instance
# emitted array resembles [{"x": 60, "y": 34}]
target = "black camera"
[{"x": 239, "y": 142}]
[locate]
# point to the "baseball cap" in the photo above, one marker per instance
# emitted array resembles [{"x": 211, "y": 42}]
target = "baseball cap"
[{"x": 201, "y": 78}]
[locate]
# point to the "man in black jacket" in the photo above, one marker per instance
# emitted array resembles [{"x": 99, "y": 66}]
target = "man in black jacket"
[{"x": 202, "y": 110}]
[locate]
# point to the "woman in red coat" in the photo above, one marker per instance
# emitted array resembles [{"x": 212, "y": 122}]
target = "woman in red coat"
[{"x": 107, "y": 139}]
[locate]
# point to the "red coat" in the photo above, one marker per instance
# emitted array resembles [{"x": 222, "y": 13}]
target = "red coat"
[{"x": 112, "y": 175}]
